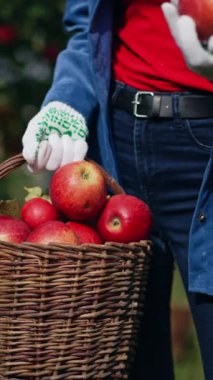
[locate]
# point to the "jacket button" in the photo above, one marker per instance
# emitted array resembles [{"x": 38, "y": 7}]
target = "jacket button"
[{"x": 201, "y": 217}]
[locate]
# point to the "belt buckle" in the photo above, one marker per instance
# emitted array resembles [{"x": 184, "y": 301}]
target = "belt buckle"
[{"x": 136, "y": 102}]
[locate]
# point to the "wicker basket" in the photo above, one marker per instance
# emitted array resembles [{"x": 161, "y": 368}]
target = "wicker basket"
[{"x": 70, "y": 312}]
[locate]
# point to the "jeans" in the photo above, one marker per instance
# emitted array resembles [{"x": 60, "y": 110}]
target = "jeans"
[{"x": 162, "y": 161}]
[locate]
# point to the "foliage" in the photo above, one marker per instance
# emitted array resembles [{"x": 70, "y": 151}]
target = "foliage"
[
  {"x": 35, "y": 21},
  {"x": 31, "y": 35}
]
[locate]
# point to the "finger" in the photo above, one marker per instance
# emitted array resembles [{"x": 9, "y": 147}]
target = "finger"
[
  {"x": 43, "y": 155},
  {"x": 30, "y": 145},
  {"x": 195, "y": 55},
  {"x": 55, "y": 158},
  {"x": 210, "y": 45},
  {"x": 30, "y": 142},
  {"x": 80, "y": 150},
  {"x": 29, "y": 152},
  {"x": 175, "y": 3},
  {"x": 35, "y": 156},
  {"x": 42, "y": 158},
  {"x": 171, "y": 15},
  {"x": 68, "y": 150},
  {"x": 32, "y": 169}
]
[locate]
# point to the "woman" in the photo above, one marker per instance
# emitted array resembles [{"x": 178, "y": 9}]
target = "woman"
[{"x": 129, "y": 77}]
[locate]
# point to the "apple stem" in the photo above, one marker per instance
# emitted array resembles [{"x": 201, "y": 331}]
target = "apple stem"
[
  {"x": 116, "y": 222},
  {"x": 85, "y": 175}
]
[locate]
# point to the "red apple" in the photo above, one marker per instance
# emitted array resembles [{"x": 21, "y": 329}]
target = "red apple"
[
  {"x": 202, "y": 13},
  {"x": 12, "y": 229},
  {"x": 78, "y": 190},
  {"x": 125, "y": 219},
  {"x": 37, "y": 211},
  {"x": 85, "y": 234},
  {"x": 53, "y": 232}
]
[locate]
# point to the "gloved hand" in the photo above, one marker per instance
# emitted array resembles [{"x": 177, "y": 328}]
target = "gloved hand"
[
  {"x": 54, "y": 137},
  {"x": 198, "y": 58}
]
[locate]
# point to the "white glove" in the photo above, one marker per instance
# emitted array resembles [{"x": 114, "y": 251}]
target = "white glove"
[
  {"x": 54, "y": 137},
  {"x": 198, "y": 58}
]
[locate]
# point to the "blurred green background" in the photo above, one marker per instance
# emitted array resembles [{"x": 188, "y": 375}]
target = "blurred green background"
[{"x": 31, "y": 36}]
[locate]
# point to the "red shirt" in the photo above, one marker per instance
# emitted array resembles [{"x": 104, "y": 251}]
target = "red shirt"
[{"x": 145, "y": 54}]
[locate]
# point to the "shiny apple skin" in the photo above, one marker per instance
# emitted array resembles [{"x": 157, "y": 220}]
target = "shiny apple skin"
[
  {"x": 52, "y": 232},
  {"x": 37, "y": 211},
  {"x": 125, "y": 219},
  {"x": 85, "y": 234},
  {"x": 13, "y": 230},
  {"x": 78, "y": 190}
]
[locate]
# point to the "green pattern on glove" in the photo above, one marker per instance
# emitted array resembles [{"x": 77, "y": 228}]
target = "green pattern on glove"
[{"x": 61, "y": 122}]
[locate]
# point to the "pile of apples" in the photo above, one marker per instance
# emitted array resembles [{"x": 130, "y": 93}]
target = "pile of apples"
[{"x": 78, "y": 211}]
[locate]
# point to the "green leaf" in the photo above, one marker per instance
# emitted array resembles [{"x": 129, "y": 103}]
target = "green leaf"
[
  {"x": 46, "y": 197},
  {"x": 33, "y": 192},
  {"x": 36, "y": 192}
]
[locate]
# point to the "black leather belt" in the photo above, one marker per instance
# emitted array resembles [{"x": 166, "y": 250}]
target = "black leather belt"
[{"x": 143, "y": 104}]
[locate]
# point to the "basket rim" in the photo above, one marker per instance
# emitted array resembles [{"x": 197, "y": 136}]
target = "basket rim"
[{"x": 54, "y": 251}]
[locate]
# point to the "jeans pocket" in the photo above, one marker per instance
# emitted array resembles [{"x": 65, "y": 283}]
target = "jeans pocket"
[{"x": 201, "y": 132}]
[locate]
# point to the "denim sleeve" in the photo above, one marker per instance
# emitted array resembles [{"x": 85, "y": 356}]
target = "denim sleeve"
[{"x": 73, "y": 80}]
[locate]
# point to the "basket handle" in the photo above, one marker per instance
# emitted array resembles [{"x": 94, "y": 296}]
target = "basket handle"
[{"x": 14, "y": 162}]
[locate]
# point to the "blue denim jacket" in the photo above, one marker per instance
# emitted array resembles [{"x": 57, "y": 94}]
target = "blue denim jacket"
[
  {"x": 83, "y": 72},
  {"x": 82, "y": 79}
]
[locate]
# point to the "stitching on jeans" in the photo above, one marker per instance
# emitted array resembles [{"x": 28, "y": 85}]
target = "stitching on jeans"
[{"x": 195, "y": 140}]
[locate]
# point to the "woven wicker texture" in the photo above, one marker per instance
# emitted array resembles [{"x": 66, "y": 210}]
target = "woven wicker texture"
[{"x": 69, "y": 312}]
